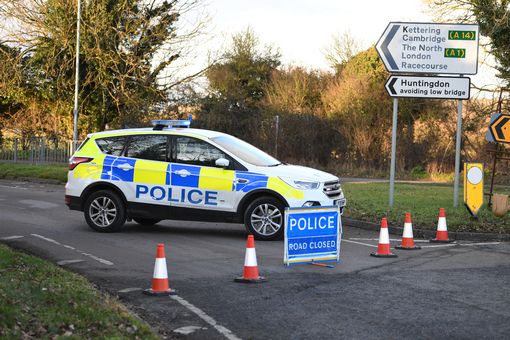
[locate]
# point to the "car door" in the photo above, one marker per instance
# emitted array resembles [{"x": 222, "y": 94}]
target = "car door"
[
  {"x": 147, "y": 157},
  {"x": 195, "y": 180}
]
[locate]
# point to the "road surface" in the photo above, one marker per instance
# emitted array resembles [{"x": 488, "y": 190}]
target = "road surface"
[{"x": 441, "y": 291}]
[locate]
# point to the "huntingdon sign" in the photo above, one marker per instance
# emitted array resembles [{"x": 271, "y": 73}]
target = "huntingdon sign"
[
  {"x": 429, "y": 48},
  {"x": 428, "y": 87}
]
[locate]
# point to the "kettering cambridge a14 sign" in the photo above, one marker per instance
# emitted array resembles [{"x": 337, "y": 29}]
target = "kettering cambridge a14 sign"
[{"x": 429, "y": 48}]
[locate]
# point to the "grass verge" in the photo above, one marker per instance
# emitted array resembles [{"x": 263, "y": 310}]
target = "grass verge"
[
  {"x": 41, "y": 300},
  {"x": 20, "y": 171},
  {"x": 369, "y": 202}
]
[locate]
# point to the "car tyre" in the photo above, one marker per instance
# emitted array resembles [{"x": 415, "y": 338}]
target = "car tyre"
[
  {"x": 105, "y": 211},
  {"x": 264, "y": 218},
  {"x": 146, "y": 221}
]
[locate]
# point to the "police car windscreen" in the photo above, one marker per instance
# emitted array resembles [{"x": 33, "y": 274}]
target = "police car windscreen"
[{"x": 245, "y": 151}]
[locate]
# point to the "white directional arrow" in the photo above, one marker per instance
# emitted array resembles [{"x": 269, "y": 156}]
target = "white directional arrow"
[{"x": 429, "y": 48}]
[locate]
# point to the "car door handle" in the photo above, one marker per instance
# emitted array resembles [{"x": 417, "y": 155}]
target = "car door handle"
[
  {"x": 125, "y": 166},
  {"x": 241, "y": 181},
  {"x": 183, "y": 173}
]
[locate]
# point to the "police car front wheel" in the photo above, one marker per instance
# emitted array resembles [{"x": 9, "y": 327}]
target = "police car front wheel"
[
  {"x": 264, "y": 218},
  {"x": 105, "y": 211}
]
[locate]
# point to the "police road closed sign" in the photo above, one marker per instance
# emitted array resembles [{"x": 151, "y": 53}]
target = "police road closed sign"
[
  {"x": 312, "y": 235},
  {"x": 429, "y": 48},
  {"x": 428, "y": 87}
]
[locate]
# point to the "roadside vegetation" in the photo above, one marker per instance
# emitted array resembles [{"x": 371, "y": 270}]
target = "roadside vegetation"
[
  {"x": 369, "y": 202},
  {"x": 337, "y": 118},
  {"x": 28, "y": 171},
  {"x": 41, "y": 300}
]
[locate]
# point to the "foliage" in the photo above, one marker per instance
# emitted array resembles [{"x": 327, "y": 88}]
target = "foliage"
[
  {"x": 342, "y": 49},
  {"x": 44, "y": 172},
  {"x": 369, "y": 201},
  {"x": 240, "y": 79},
  {"x": 40, "y": 300},
  {"x": 493, "y": 16},
  {"x": 125, "y": 49}
]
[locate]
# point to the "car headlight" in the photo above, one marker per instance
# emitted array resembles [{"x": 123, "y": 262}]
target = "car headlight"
[{"x": 303, "y": 185}]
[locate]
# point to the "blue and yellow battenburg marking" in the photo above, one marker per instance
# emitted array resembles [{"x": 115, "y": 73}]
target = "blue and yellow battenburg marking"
[{"x": 181, "y": 175}]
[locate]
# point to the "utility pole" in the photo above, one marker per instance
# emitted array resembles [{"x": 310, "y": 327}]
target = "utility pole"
[{"x": 77, "y": 79}]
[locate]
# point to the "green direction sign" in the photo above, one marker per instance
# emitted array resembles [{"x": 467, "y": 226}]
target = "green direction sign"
[
  {"x": 461, "y": 35},
  {"x": 454, "y": 52}
]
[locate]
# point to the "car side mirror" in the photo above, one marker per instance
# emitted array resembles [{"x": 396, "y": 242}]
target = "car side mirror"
[{"x": 222, "y": 162}]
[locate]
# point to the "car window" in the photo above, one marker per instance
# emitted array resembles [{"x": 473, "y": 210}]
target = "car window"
[
  {"x": 112, "y": 145},
  {"x": 187, "y": 150},
  {"x": 151, "y": 147}
]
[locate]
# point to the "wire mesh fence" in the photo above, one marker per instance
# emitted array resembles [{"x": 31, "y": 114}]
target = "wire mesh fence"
[{"x": 35, "y": 150}]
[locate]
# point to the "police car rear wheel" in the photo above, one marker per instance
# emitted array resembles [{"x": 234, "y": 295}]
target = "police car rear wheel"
[
  {"x": 264, "y": 218},
  {"x": 104, "y": 211},
  {"x": 146, "y": 221}
]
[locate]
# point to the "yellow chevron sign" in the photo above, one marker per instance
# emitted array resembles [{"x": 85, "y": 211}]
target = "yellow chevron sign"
[
  {"x": 473, "y": 187},
  {"x": 500, "y": 129}
]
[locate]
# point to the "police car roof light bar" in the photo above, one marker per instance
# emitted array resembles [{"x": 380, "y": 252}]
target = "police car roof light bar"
[{"x": 163, "y": 123}]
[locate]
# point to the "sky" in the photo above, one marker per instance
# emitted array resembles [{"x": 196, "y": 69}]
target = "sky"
[{"x": 303, "y": 29}]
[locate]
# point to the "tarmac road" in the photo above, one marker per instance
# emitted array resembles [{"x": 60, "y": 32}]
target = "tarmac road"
[{"x": 441, "y": 291}]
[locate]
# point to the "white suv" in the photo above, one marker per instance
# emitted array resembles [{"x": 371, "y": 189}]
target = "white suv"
[{"x": 175, "y": 172}]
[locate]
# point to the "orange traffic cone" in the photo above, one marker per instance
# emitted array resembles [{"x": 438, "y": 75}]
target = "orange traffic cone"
[
  {"x": 160, "y": 277},
  {"x": 407, "y": 236},
  {"x": 251, "y": 269},
  {"x": 383, "y": 249},
  {"x": 442, "y": 230}
]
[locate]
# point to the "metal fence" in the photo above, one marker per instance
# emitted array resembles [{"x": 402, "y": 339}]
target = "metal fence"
[{"x": 35, "y": 150}]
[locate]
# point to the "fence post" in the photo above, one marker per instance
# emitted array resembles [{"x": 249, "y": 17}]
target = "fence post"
[
  {"x": 15, "y": 150},
  {"x": 41, "y": 150},
  {"x": 32, "y": 150}
]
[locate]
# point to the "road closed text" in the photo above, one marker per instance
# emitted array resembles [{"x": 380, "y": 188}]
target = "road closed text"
[{"x": 312, "y": 245}]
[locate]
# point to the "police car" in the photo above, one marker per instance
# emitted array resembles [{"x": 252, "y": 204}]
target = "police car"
[{"x": 175, "y": 172}]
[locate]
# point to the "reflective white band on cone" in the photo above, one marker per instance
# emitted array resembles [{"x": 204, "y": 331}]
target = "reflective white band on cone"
[
  {"x": 250, "y": 259},
  {"x": 441, "y": 224},
  {"x": 384, "y": 237},
  {"x": 160, "y": 269},
  {"x": 408, "y": 230}
]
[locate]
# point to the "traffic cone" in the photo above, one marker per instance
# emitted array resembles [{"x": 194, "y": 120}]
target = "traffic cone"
[
  {"x": 160, "y": 277},
  {"x": 407, "y": 236},
  {"x": 251, "y": 269},
  {"x": 383, "y": 249},
  {"x": 442, "y": 230}
]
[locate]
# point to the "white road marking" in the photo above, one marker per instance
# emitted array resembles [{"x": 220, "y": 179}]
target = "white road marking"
[
  {"x": 376, "y": 239},
  {"x": 39, "y": 204},
  {"x": 11, "y": 187},
  {"x": 129, "y": 290},
  {"x": 98, "y": 259},
  {"x": 13, "y": 237},
  {"x": 227, "y": 333},
  {"x": 462, "y": 244},
  {"x": 431, "y": 246},
  {"x": 363, "y": 244},
  {"x": 64, "y": 262},
  {"x": 47, "y": 239},
  {"x": 186, "y": 330}
]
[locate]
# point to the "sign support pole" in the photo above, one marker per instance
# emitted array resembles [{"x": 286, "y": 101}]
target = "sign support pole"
[
  {"x": 393, "y": 150},
  {"x": 76, "y": 80},
  {"x": 457, "y": 155}
]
